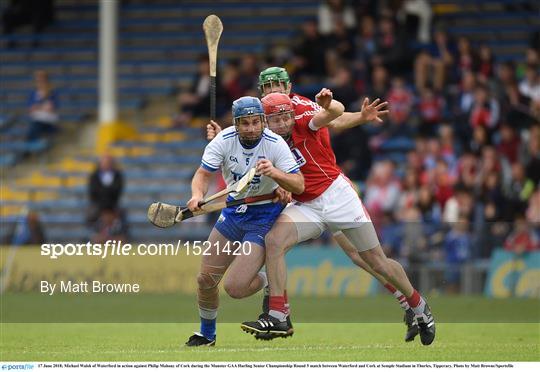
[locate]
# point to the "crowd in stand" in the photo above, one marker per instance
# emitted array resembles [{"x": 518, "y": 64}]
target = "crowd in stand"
[{"x": 469, "y": 180}]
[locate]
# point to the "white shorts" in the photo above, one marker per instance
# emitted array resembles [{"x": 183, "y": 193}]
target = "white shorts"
[{"x": 337, "y": 208}]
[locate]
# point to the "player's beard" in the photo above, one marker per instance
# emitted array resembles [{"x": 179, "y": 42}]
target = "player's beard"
[{"x": 249, "y": 141}]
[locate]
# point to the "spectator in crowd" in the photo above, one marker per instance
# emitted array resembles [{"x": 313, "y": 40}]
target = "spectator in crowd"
[
  {"x": 409, "y": 190},
  {"x": 450, "y": 148},
  {"x": 459, "y": 206},
  {"x": 391, "y": 235},
  {"x": 505, "y": 86},
  {"x": 430, "y": 210},
  {"x": 523, "y": 238},
  {"x": 414, "y": 244},
  {"x": 342, "y": 85},
  {"x": 519, "y": 190},
  {"x": 484, "y": 110},
  {"x": 195, "y": 102},
  {"x": 479, "y": 140},
  {"x": 27, "y": 231},
  {"x": 530, "y": 86},
  {"x": 514, "y": 106},
  {"x": 430, "y": 108},
  {"x": 382, "y": 193},
  {"x": 417, "y": 14},
  {"x": 105, "y": 186},
  {"x": 110, "y": 226},
  {"x": 249, "y": 74},
  {"x": 492, "y": 231},
  {"x": 489, "y": 162},
  {"x": 42, "y": 107},
  {"x": 309, "y": 55},
  {"x": 533, "y": 210},
  {"x": 509, "y": 143},
  {"x": 466, "y": 57},
  {"x": 392, "y": 49},
  {"x": 332, "y": 12},
  {"x": 457, "y": 249},
  {"x": 433, "y": 63},
  {"x": 486, "y": 63},
  {"x": 342, "y": 47},
  {"x": 442, "y": 182},
  {"x": 400, "y": 102},
  {"x": 379, "y": 82},
  {"x": 530, "y": 155},
  {"x": 365, "y": 43},
  {"x": 231, "y": 81},
  {"x": 463, "y": 105},
  {"x": 468, "y": 166}
]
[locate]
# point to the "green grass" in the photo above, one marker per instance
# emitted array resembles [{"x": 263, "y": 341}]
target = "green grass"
[
  {"x": 311, "y": 342},
  {"x": 154, "y": 328},
  {"x": 168, "y": 308}
]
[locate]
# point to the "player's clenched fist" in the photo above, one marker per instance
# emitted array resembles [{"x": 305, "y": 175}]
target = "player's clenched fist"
[
  {"x": 266, "y": 168},
  {"x": 324, "y": 98},
  {"x": 193, "y": 203},
  {"x": 212, "y": 129},
  {"x": 283, "y": 196}
]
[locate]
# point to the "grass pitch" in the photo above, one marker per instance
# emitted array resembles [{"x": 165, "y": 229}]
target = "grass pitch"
[
  {"x": 326, "y": 329},
  {"x": 311, "y": 342}
]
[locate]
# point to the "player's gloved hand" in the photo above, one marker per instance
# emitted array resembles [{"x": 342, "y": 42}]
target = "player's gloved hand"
[
  {"x": 265, "y": 167},
  {"x": 193, "y": 203},
  {"x": 324, "y": 98},
  {"x": 283, "y": 196},
  {"x": 212, "y": 129}
]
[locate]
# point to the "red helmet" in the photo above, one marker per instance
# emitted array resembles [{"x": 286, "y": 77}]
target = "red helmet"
[{"x": 275, "y": 103}]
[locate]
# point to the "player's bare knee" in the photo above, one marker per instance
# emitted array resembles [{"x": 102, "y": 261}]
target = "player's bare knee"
[
  {"x": 273, "y": 245},
  {"x": 234, "y": 290}
]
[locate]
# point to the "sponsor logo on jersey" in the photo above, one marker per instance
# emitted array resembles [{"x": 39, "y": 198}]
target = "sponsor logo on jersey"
[{"x": 300, "y": 160}]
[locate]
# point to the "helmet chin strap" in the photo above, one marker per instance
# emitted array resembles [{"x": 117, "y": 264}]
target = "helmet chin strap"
[{"x": 249, "y": 142}]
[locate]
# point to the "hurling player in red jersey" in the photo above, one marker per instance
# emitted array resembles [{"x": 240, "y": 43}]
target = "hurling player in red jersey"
[
  {"x": 328, "y": 202},
  {"x": 276, "y": 79}
]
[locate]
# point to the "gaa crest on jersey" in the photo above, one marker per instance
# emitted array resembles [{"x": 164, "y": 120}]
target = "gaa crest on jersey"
[
  {"x": 300, "y": 160},
  {"x": 241, "y": 209}
]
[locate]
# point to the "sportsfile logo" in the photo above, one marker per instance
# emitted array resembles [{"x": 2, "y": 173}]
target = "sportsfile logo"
[{"x": 17, "y": 367}]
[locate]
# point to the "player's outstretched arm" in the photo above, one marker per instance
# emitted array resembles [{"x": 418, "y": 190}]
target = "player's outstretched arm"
[
  {"x": 331, "y": 109},
  {"x": 370, "y": 113},
  {"x": 293, "y": 182},
  {"x": 212, "y": 129},
  {"x": 199, "y": 188}
]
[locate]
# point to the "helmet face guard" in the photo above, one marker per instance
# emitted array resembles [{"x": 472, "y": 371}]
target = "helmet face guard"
[
  {"x": 281, "y": 123},
  {"x": 279, "y": 112},
  {"x": 249, "y": 120},
  {"x": 274, "y": 80}
]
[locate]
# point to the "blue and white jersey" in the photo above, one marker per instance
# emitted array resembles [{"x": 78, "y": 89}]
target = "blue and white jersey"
[{"x": 226, "y": 152}]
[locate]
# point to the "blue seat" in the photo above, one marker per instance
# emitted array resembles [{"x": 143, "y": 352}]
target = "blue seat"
[
  {"x": 156, "y": 188},
  {"x": 31, "y": 147},
  {"x": 164, "y": 159},
  {"x": 8, "y": 160}
]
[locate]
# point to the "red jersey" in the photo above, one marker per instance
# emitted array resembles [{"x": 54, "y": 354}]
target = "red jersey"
[{"x": 312, "y": 150}]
